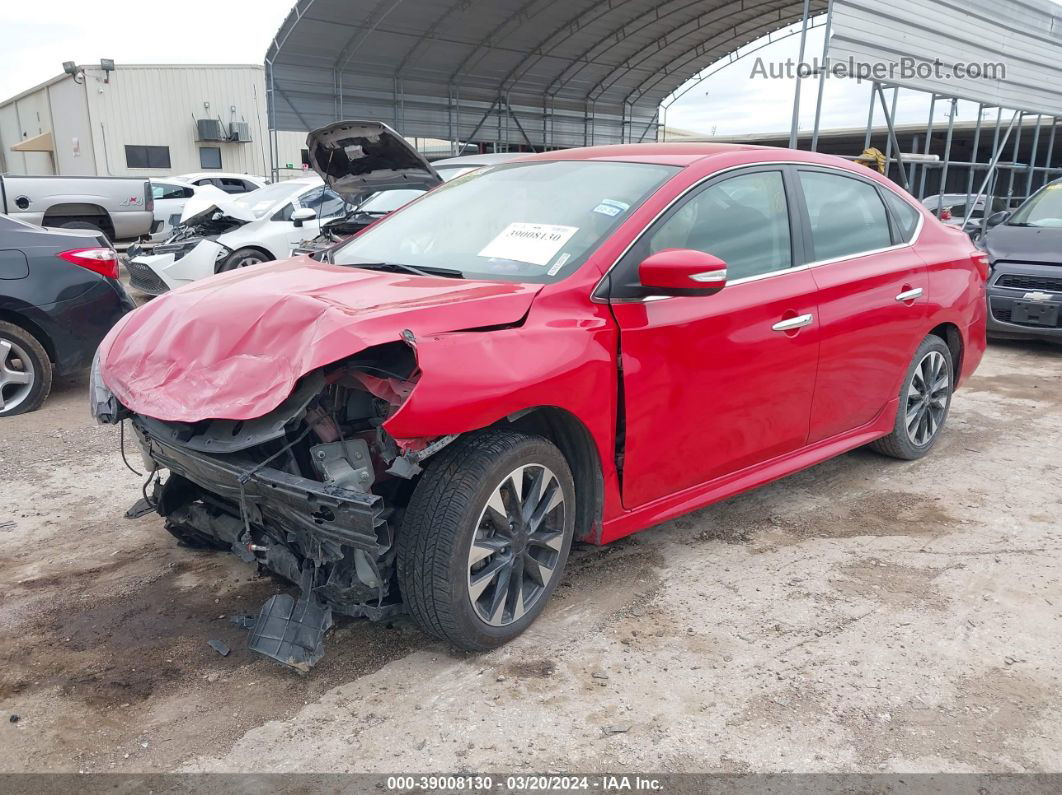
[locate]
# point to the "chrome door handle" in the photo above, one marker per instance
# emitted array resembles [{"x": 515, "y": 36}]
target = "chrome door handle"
[
  {"x": 793, "y": 323},
  {"x": 910, "y": 295}
]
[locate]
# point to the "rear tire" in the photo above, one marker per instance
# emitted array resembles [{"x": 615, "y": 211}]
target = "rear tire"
[
  {"x": 241, "y": 258},
  {"x": 25, "y": 371},
  {"x": 925, "y": 399},
  {"x": 470, "y": 574}
]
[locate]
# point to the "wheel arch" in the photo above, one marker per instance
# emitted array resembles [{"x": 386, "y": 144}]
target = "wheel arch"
[
  {"x": 255, "y": 247},
  {"x": 16, "y": 319},
  {"x": 952, "y": 337},
  {"x": 79, "y": 211},
  {"x": 576, "y": 444}
]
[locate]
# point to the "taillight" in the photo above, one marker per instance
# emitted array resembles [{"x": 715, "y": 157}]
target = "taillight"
[
  {"x": 149, "y": 198},
  {"x": 103, "y": 261},
  {"x": 981, "y": 260},
  {"x": 945, "y": 214}
]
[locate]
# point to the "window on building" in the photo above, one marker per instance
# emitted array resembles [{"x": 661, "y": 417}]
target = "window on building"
[
  {"x": 147, "y": 156},
  {"x": 210, "y": 157}
]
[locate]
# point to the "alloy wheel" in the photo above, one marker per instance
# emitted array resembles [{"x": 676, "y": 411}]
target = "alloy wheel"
[
  {"x": 927, "y": 398},
  {"x": 16, "y": 375},
  {"x": 517, "y": 545}
]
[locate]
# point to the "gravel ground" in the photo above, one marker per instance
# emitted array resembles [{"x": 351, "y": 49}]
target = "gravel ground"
[{"x": 866, "y": 615}]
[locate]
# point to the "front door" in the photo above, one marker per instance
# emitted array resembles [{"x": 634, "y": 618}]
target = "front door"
[{"x": 715, "y": 384}]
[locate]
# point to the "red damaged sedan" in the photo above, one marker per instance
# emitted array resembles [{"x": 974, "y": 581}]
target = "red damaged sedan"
[{"x": 577, "y": 345}]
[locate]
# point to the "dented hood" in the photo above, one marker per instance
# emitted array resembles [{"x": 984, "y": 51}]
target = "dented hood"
[
  {"x": 233, "y": 346},
  {"x": 356, "y": 158}
]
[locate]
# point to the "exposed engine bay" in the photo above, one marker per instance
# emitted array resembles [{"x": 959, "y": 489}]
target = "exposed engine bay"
[
  {"x": 312, "y": 491},
  {"x": 336, "y": 231}
]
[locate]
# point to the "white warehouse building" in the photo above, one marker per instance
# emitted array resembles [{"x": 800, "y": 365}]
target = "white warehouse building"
[{"x": 144, "y": 120}]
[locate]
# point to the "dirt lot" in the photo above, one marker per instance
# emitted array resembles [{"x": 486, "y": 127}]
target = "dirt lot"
[{"x": 865, "y": 615}]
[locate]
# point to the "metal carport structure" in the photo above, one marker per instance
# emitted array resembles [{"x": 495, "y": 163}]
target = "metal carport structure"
[{"x": 532, "y": 73}]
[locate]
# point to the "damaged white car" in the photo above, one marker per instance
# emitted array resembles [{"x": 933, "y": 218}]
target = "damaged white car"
[{"x": 266, "y": 224}]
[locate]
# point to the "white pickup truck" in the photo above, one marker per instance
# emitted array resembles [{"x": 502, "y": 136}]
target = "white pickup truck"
[{"x": 120, "y": 207}]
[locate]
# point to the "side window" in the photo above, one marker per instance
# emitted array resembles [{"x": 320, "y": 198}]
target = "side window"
[
  {"x": 161, "y": 190},
  {"x": 248, "y": 186},
  {"x": 323, "y": 200},
  {"x": 743, "y": 220},
  {"x": 230, "y": 185},
  {"x": 906, "y": 216},
  {"x": 846, "y": 215},
  {"x": 331, "y": 204}
]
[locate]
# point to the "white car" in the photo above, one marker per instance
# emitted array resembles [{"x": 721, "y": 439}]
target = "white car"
[
  {"x": 171, "y": 194},
  {"x": 356, "y": 159},
  {"x": 233, "y": 232},
  {"x": 229, "y": 183}
]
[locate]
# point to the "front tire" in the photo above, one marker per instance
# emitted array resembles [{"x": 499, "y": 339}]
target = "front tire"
[
  {"x": 485, "y": 537},
  {"x": 241, "y": 258},
  {"x": 25, "y": 371},
  {"x": 925, "y": 399}
]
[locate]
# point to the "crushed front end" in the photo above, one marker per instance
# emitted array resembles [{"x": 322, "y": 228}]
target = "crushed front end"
[{"x": 310, "y": 491}]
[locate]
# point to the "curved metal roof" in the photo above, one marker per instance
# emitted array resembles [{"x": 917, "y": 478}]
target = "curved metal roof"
[{"x": 549, "y": 72}]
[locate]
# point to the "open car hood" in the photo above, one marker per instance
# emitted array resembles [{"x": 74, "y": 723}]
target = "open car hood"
[
  {"x": 357, "y": 158},
  {"x": 233, "y": 346},
  {"x": 197, "y": 213},
  {"x": 206, "y": 199}
]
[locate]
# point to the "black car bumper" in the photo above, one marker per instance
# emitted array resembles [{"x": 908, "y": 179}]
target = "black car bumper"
[
  {"x": 1025, "y": 301},
  {"x": 75, "y": 327}
]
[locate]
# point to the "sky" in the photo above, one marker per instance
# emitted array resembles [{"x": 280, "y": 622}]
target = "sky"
[{"x": 238, "y": 31}]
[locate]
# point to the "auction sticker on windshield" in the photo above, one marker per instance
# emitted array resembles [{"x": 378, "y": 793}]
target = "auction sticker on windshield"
[{"x": 532, "y": 243}]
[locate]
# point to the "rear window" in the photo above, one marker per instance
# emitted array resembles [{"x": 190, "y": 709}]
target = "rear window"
[
  {"x": 904, "y": 214},
  {"x": 846, "y": 214}
]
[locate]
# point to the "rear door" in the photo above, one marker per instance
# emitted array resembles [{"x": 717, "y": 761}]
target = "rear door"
[
  {"x": 872, "y": 295},
  {"x": 715, "y": 384}
]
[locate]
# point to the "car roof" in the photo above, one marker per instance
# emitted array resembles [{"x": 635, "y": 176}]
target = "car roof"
[
  {"x": 672, "y": 154},
  {"x": 227, "y": 174},
  {"x": 486, "y": 159}
]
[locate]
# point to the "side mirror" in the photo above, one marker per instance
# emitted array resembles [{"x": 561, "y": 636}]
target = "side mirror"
[
  {"x": 682, "y": 271},
  {"x": 302, "y": 215},
  {"x": 995, "y": 219}
]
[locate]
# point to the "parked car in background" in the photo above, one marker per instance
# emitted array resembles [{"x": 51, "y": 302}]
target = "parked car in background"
[
  {"x": 952, "y": 208},
  {"x": 171, "y": 196},
  {"x": 580, "y": 344},
  {"x": 228, "y": 183},
  {"x": 59, "y": 296},
  {"x": 270, "y": 222},
  {"x": 233, "y": 232},
  {"x": 119, "y": 207},
  {"x": 382, "y": 203},
  {"x": 1025, "y": 253}
]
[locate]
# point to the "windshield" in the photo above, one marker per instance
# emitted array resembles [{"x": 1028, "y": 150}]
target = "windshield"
[
  {"x": 260, "y": 201},
  {"x": 387, "y": 201},
  {"x": 1042, "y": 209},
  {"x": 532, "y": 222}
]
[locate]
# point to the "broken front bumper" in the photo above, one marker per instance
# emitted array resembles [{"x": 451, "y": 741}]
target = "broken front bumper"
[
  {"x": 319, "y": 515},
  {"x": 333, "y": 542}
]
